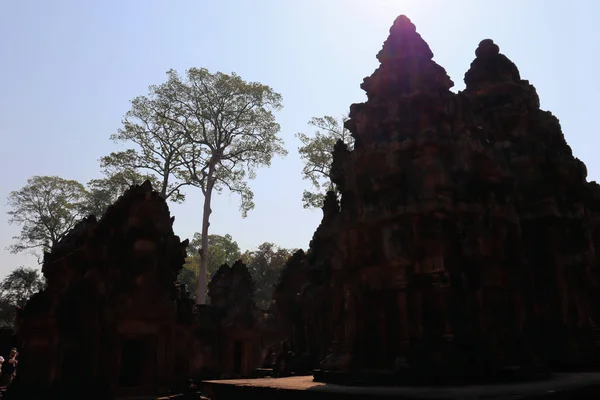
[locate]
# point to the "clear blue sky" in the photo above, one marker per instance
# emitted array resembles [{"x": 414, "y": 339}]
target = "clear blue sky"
[{"x": 68, "y": 69}]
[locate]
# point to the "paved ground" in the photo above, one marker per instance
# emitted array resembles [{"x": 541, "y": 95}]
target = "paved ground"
[{"x": 559, "y": 383}]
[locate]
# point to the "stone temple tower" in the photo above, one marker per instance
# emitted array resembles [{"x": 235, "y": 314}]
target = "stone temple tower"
[{"x": 464, "y": 243}]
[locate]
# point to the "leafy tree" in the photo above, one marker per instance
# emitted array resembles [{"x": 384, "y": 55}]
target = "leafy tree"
[
  {"x": 316, "y": 152},
  {"x": 229, "y": 130},
  {"x": 159, "y": 144},
  {"x": 221, "y": 250},
  {"x": 105, "y": 191},
  {"x": 16, "y": 289},
  {"x": 21, "y": 284},
  {"x": 189, "y": 275},
  {"x": 265, "y": 265},
  {"x": 47, "y": 207}
]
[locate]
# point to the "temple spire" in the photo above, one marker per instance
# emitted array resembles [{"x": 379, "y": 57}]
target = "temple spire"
[
  {"x": 492, "y": 74},
  {"x": 406, "y": 66},
  {"x": 490, "y": 66},
  {"x": 404, "y": 42}
]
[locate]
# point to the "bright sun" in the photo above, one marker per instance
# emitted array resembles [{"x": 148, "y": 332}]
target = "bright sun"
[{"x": 388, "y": 8}]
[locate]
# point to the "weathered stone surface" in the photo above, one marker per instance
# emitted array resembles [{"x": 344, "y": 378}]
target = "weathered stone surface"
[
  {"x": 287, "y": 305},
  {"x": 112, "y": 313},
  {"x": 302, "y": 297},
  {"x": 464, "y": 242}
]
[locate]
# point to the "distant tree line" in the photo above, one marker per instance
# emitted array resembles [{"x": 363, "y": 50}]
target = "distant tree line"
[{"x": 264, "y": 263}]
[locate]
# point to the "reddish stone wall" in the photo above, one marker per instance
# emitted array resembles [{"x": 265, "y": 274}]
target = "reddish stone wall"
[
  {"x": 464, "y": 242},
  {"x": 111, "y": 289}
]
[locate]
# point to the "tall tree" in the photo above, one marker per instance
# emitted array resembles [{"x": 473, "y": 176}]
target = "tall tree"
[
  {"x": 221, "y": 250},
  {"x": 316, "y": 152},
  {"x": 265, "y": 265},
  {"x": 230, "y": 131},
  {"x": 47, "y": 208},
  {"x": 158, "y": 144}
]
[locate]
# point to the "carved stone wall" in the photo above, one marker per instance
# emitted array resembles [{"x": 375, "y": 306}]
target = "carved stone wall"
[
  {"x": 240, "y": 330},
  {"x": 302, "y": 297},
  {"x": 112, "y": 313},
  {"x": 464, "y": 242}
]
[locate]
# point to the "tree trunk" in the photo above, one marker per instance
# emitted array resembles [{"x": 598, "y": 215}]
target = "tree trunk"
[
  {"x": 165, "y": 181},
  {"x": 164, "y": 186},
  {"x": 201, "y": 287}
]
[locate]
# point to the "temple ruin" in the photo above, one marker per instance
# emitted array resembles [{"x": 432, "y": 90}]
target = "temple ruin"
[
  {"x": 111, "y": 314},
  {"x": 463, "y": 246},
  {"x": 113, "y": 317},
  {"x": 462, "y": 249}
]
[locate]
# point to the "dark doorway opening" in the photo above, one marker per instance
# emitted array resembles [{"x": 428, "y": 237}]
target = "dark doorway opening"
[
  {"x": 132, "y": 362},
  {"x": 238, "y": 353},
  {"x": 72, "y": 364}
]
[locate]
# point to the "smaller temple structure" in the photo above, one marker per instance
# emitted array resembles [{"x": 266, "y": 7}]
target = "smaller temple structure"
[
  {"x": 114, "y": 319},
  {"x": 112, "y": 316},
  {"x": 244, "y": 331},
  {"x": 231, "y": 334}
]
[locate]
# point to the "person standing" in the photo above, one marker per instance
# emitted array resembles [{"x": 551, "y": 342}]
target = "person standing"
[{"x": 9, "y": 368}]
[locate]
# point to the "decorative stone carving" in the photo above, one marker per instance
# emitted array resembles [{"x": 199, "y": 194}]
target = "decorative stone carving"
[
  {"x": 112, "y": 314},
  {"x": 464, "y": 245}
]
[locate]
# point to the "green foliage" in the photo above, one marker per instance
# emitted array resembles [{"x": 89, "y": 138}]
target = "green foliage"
[
  {"x": 229, "y": 127},
  {"x": 46, "y": 208},
  {"x": 21, "y": 284},
  {"x": 265, "y": 265},
  {"x": 105, "y": 191},
  {"x": 316, "y": 152},
  {"x": 16, "y": 289},
  {"x": 221, "y": 250},
  {"x": 228, "y": 130},
  {"x": 189, "y": 276},
  {"x": 158, "y": 145}
]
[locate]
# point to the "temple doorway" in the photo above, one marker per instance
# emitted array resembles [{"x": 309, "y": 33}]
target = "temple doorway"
[
  {"x": 238, "y": 354},
  {"x": 132, "y": 362},
  {"x": 72, "y": 364},
  {"x": 374, "y": 330}
]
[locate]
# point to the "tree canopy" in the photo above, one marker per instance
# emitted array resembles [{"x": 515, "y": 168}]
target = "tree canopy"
[
  {"x": 265, "y": 265},
  {"x": 16, "y": 289},
  {"x": 103, "y": 192},
  {"x": 21, "y": 284},
  {"x": 316, "y": 152},
  {"x": 223, "y": 129},
  {"x": 229, "y": 127},
  {"x": 158, "y": 144},
  {"x": 222, "y": 250},
  {"x": 46, "y": 208},
  {"x": 203, "y": 129}
]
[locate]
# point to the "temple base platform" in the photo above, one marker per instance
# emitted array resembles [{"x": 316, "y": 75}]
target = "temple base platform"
[{"x": 557, "y": 386}]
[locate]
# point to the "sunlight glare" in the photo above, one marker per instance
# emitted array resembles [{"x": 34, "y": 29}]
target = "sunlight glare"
[{"x": 387, "y": 8}]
